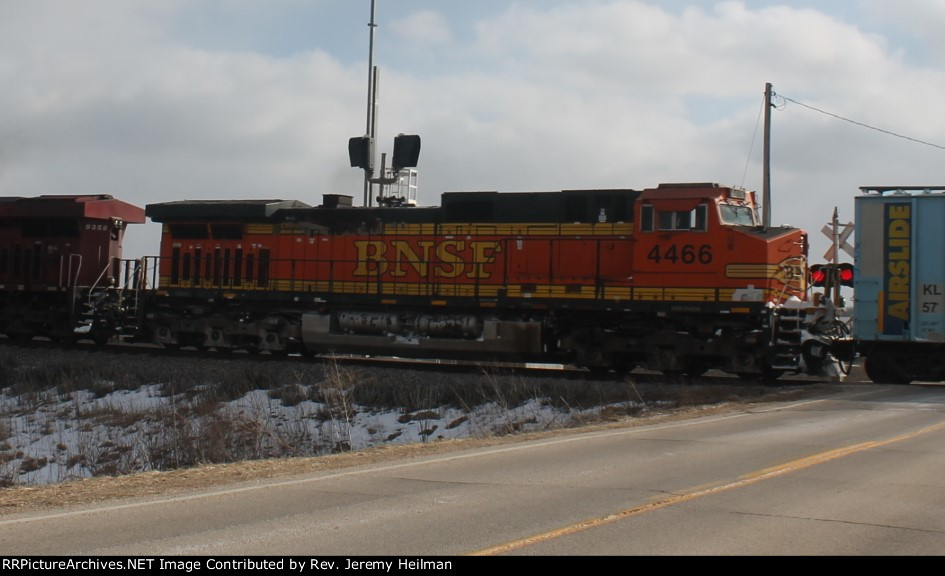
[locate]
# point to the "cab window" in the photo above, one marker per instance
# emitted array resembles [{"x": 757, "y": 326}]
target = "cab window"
[
  {"x": 675, "y": 220},
  {"x": 737, "y": 215}
]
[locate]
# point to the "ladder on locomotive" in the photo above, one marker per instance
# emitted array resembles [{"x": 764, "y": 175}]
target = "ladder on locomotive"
[
  {"x": 787, "y": 323},
  {"x": 118, "y": 292},
  {"x": 787, "y": 327}
]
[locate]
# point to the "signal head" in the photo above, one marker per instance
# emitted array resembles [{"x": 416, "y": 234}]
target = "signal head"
[
  {"x": 846, "y": 274},
  {"x": 819, "y": 274}
]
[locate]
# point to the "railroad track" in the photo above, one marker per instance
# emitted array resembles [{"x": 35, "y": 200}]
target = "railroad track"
[{"x": 430, "y": 366}]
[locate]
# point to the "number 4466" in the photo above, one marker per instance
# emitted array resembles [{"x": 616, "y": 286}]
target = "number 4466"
[{"x": 687, "y": 254}]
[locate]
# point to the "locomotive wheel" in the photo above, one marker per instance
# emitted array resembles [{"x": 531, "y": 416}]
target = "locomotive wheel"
[
  {"x": 770, "y": 374},
  {"x": 696, "y": 369},
  {"x": 100, "y": 337},
  {"x": 624, "y": 367},
  {"x": 598, "y": 369},
  {"x": 881, "y": 368}
]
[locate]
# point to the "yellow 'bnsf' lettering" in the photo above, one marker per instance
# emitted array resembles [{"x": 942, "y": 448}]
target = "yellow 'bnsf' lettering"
[
  {"x": 483, "y": 253},
  {"x": 450, "y": 264},
  {"x": 899, "y": 261},
  {"x": 371, "y": 261},
  {"x": 449, "y": 258},
  {"x": 403, "y": 252}
]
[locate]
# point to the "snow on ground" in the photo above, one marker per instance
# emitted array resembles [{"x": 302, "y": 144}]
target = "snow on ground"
[
  {"x": 80, "y": 413},
  {"x": 51, "y": 437}
]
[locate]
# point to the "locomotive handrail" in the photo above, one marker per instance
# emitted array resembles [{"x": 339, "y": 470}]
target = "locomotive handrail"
[
  {"x": 295, "y": 280},
  {"x": 72, "y": 282},
  {"x": 152, "y": 270},
  {"x": 66, "y": 279},
  {"x": 793, "y": 282},
  {"x": 132, "y": 279},
  {"x": 98, "y": 280}
]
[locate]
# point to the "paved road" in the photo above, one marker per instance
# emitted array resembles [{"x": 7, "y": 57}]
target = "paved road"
[{"x": 856, "y": 473}]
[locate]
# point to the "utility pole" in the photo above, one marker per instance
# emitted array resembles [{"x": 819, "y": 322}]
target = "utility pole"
[{"x": 766, "y": 169}]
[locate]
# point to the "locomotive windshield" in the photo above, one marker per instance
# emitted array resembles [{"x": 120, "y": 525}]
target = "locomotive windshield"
[{"x": 737, "y": 215}]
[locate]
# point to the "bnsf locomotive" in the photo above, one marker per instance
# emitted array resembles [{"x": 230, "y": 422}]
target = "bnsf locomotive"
[{"x": 680, "y": 278}]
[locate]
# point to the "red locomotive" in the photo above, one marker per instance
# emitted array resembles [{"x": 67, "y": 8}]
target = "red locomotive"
[
  {"x": 679, "y": 278},
  {"x": 57, "y": 253}
]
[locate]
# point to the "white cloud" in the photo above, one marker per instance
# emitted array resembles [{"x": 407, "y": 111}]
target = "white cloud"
[
  {"x": 918, "y": 23},
  {"x": 424, "y": 29}
]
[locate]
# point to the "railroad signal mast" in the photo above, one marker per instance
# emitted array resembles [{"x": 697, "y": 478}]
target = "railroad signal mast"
[
  {"x": 361, "y": 149},
  {"x": 833, "y": 275}
]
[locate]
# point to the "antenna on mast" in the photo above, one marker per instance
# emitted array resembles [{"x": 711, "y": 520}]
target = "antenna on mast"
[
  {"x": 766, "y": 167},
  {"x": 371, "y": 128}
]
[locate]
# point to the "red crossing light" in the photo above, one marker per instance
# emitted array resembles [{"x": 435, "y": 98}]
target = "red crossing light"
[
  {"x": 819, "y": 274},
  {"x": 823, "y": 274},
  {"x": 846, "y": 274}
]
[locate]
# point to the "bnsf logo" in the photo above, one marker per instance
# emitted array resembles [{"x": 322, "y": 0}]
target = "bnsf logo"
[
  {"x": 446, "y": 259},
  {"x": 898, "y": 248}
]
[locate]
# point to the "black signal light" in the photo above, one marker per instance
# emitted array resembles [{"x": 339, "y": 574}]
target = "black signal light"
[
  {"x": 406, "y": 151},
  {"x": 361, "y": 153}
]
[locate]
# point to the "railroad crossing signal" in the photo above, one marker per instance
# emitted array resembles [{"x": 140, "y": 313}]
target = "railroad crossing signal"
[
  {"x": 843, "y": 234},
  {"x": 828, "y": 274}
]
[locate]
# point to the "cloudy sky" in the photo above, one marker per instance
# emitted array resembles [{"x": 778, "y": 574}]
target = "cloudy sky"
[{"x": 185, "y": 99}]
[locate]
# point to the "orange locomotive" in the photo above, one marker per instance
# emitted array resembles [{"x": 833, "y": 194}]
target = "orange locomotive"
[{"x": 679, "y": 278}]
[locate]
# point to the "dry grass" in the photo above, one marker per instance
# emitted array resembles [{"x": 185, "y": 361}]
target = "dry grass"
[{"x": 195, "y": 428}]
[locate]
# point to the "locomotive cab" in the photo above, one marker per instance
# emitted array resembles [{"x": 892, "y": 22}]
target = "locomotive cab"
[
  {"x": 689, "y": 233},
  {"x": 715, "y": 276}
]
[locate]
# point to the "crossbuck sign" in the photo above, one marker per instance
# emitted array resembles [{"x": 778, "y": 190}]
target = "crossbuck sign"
[{"x": 843, "y": 234}]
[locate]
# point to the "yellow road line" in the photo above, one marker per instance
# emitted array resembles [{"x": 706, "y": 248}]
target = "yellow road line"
[{"x": 746, "y": 480}]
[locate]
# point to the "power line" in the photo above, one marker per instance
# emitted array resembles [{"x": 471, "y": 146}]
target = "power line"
[{"x": 838, "y": 117}]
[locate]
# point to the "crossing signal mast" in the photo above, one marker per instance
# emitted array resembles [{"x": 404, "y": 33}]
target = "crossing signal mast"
[
  {"x": 834, "y": 275},
  {"x": 361, "y": 149},
  {"x": 828, "y": 342}
]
